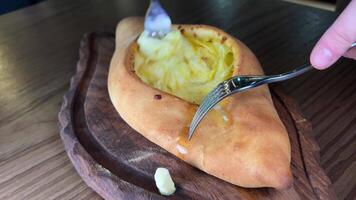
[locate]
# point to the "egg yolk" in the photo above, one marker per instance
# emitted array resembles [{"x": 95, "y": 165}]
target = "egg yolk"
[{"x": 188, "y": 67}]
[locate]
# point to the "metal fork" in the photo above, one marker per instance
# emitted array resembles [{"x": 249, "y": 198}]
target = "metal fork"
[
  {"x": 157, "y": 22},
  {"x": 239, "y": 84}
]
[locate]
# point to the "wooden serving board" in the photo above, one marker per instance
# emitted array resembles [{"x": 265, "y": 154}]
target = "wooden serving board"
[{"x": 119, "y": 163}]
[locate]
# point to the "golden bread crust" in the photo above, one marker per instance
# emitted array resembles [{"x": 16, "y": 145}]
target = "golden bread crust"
[{"x": 252, "y": 151}]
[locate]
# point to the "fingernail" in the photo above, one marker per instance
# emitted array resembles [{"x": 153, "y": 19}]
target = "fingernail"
[{"x": 322, "y": 59}]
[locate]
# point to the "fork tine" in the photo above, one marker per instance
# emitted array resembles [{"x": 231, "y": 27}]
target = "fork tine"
[
  {"x": 210, "y": 97},
  {"x": 213, "y": 94},
  {"x": 199, "y": 117},
  {"x": 157, "y": 21},
  {"x": 209, "y": 101}
]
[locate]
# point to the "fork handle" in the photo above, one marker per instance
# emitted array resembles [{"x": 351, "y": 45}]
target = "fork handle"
[{"x": 288, "y": 75}]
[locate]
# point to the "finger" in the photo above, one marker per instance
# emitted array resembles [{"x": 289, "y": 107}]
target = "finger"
[
  {"x": 336, "y": 40},
  {"x": 351, "y": 54}
]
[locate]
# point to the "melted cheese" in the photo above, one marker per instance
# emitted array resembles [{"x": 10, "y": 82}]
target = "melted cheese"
[{"x": 184, "y": 66}]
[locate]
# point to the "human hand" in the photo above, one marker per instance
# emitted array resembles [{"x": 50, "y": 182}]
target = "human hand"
[{"x": 336, "y": 40}]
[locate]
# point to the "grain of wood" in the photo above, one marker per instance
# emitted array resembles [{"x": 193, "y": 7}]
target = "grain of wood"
[{"x": 39, "y": 51}]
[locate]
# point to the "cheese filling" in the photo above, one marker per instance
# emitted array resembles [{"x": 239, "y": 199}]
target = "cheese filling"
[{"x": 187, "y": 66}]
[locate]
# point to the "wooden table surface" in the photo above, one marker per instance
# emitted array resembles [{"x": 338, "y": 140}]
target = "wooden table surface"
[{"x": 38, "y": 54}]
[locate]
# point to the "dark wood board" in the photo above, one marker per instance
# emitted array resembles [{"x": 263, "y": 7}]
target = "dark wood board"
[{"x": 119, "y": 163}]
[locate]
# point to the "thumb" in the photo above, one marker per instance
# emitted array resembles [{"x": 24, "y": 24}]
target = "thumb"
[{"x": 336, "y": 40}]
